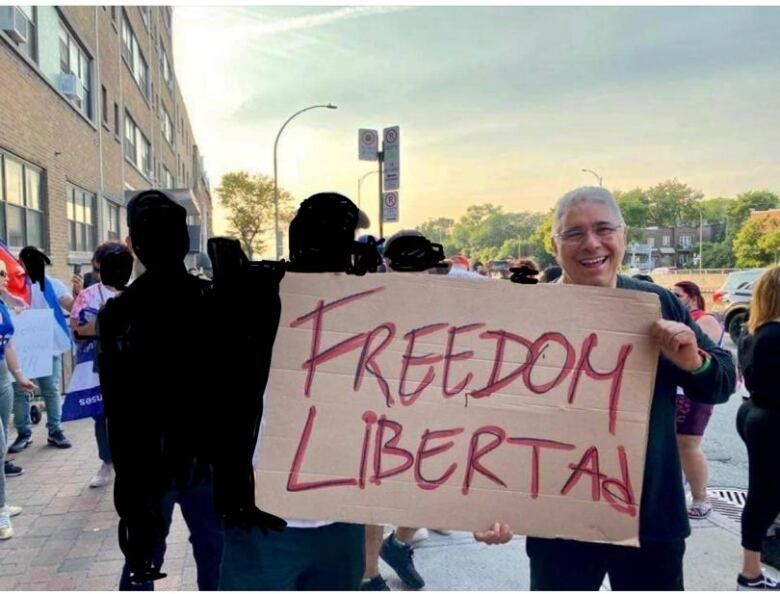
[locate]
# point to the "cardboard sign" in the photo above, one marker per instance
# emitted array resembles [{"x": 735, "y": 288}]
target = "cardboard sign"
[
  {"x": 421, "y": 400},
  {"x": 33, "y": 341}
]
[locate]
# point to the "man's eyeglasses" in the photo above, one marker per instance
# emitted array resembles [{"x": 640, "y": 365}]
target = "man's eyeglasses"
[{"x": 577, "y": 235}]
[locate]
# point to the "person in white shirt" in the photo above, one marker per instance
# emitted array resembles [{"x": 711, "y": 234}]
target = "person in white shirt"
[{"x": 52, "y": 294}]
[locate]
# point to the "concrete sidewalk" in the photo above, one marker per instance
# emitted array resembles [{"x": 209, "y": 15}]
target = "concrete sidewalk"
[{"x": 66, "y": 536}]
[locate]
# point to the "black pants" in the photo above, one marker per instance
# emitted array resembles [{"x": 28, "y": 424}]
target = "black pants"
[
  {"x": 330, "y": 557},
  {"x": 206, "y": 535},
  {"x": 558, "y": 564},
  {"x": 759, "y": 429}
]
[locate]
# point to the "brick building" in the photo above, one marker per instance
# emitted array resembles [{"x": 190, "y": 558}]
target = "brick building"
[
  {"x": 91, "y": 112},
  {"x": 671, "y": 246}
]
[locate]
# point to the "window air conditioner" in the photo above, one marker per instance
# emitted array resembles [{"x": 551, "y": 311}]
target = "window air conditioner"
[
  {"x": 13, "y": 23},
  {"x": 69, "y": 85}
]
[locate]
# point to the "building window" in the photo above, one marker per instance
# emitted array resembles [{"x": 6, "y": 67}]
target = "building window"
[
  {"x": 131, "y": 52},
  {"x": 168, "y": 180},
  {"x": 81, "y": 220},
  {"x": 137, "y": 148},
  {"x": 116, "y": 119},
  {"x": 75, "y": 72},
  {"x": 651, "y": 242},
  {"x": 165, "y": 65},
  {"x": 112, "y": 221},
  {"x": 104, "y": 104},
  {"x": 23, "y": 30},
  {"x": 21, "y": 208},
  {"x": 167, "y": 124},
  {"x": 666, "y": 240},
  {"x": 685, "y": 241},
  {"x": 144, "y": 10},
  {"x": 113, "y": 13}
]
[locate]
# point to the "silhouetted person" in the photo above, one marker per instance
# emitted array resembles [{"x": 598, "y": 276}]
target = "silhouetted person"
[
  {"x": 308, "y": 555},
  {"x": 154, "y": 367}
]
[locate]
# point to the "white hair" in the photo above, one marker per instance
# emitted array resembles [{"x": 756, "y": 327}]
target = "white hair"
[{"x": 586, "y": 194}]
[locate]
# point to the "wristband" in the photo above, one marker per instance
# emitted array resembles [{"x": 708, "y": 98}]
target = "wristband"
[{"x": 706, "y": 363}]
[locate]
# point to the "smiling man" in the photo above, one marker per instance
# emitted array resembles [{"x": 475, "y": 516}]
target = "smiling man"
[{"x": 589, "y": 240}]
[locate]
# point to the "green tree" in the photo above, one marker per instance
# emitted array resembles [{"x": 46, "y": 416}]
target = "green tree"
[
  {"x": 758, "y": 242},
  {"x": 739, "y": 209},
  {"x": 635, "y": 207},
  {"x": 671, "y": 203},
  {"x": 437, "y": 230},
  {"x": 718, "y": 254},
  {"x": 249, "y": 201},
  {"x": 715, "y": 210}
]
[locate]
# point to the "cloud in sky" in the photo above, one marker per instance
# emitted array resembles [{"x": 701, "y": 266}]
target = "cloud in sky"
[
  {"x": 258, "y": 26},
  {"x": 501, "y": 104}
]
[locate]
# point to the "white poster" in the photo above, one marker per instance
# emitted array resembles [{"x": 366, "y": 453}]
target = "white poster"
[{"x": 33, "y": 341}]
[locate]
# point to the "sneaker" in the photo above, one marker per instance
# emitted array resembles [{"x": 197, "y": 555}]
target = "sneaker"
[
  {"x": 420, "y": 535},
  {"x": 375, "y": 584},
  {"x": 104, "y": 475},
  {"x": 400, "y": 557},
  {"x": 6, "y": 530},
  {"x": 11, "y": 510},
  {"x": 22, "y": 441},
  {"x": 12, "y": 469},
  {"x": 58, "y": 439},
  {"x": 762, "y": 582}
]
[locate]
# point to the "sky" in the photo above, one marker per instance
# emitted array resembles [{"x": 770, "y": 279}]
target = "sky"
[{"x": 502, "y": 104}]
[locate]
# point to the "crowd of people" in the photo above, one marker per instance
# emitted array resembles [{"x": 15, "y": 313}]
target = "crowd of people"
[{"x": 114, "y": 332}]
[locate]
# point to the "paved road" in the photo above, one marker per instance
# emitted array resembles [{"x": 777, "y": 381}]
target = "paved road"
[{"x": 722, "y": 445}]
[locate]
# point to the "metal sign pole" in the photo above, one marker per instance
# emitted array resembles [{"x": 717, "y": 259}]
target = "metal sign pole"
[{"x": 381, "y": 157}]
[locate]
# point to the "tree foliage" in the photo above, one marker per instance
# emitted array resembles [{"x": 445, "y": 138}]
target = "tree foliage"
[
  {"x": 249, "y": 201},
  {"x": 485, "y": 232},
  {"x": 758, "y": 242}
]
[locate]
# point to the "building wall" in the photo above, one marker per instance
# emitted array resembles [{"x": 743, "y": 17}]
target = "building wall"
[{"x": 40, "y": 126}]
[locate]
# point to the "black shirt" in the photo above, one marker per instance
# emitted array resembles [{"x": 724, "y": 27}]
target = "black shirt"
[{"x": 759, "y": 359}]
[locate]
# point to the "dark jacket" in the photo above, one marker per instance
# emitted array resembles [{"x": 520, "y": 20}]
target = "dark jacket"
[{"x": 662, "y": 515}]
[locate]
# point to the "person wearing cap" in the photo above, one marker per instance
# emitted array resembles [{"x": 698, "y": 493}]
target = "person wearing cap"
[
  {"x": 308, "y": 554},
  {"x": 407, "y": 250},
  {"x": 46, "y": 293},
  {"x": 158, "y": 392}
]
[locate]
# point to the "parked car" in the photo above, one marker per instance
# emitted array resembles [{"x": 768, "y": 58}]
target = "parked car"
[
  {"x": 663, "y": 270},
  {"x": 735, "y": 279},
  {"x": 733, "y": 309}
]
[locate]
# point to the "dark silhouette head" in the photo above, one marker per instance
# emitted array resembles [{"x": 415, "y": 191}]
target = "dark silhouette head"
[
  {"x": 34, "y": 262},
  {"x": 322, "y": 236},
  {"x": 116, "y": 266},
  {"x": 409, "y": 250},
  {"x": 158, "y": 230}
]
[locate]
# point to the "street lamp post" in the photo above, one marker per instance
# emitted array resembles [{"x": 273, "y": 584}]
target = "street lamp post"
[
  {"x": 598, "y": 177},
  {"x": 360, "y": 182},
  {"x": 276, "y": 185},
  {"x": 701, "y": 236}
]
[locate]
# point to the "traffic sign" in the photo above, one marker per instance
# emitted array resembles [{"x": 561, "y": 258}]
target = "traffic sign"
[
  {"x": 390, "y": 207},
  {"x": 392, "y": 164},
  {"x": 368, "y": 144}
]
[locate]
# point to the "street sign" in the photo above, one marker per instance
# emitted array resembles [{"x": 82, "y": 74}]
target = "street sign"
[
  {"x": 390, "y": 207},
  {"x": 390, "y": 148},
  {"x": 368, "y": 144}
]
